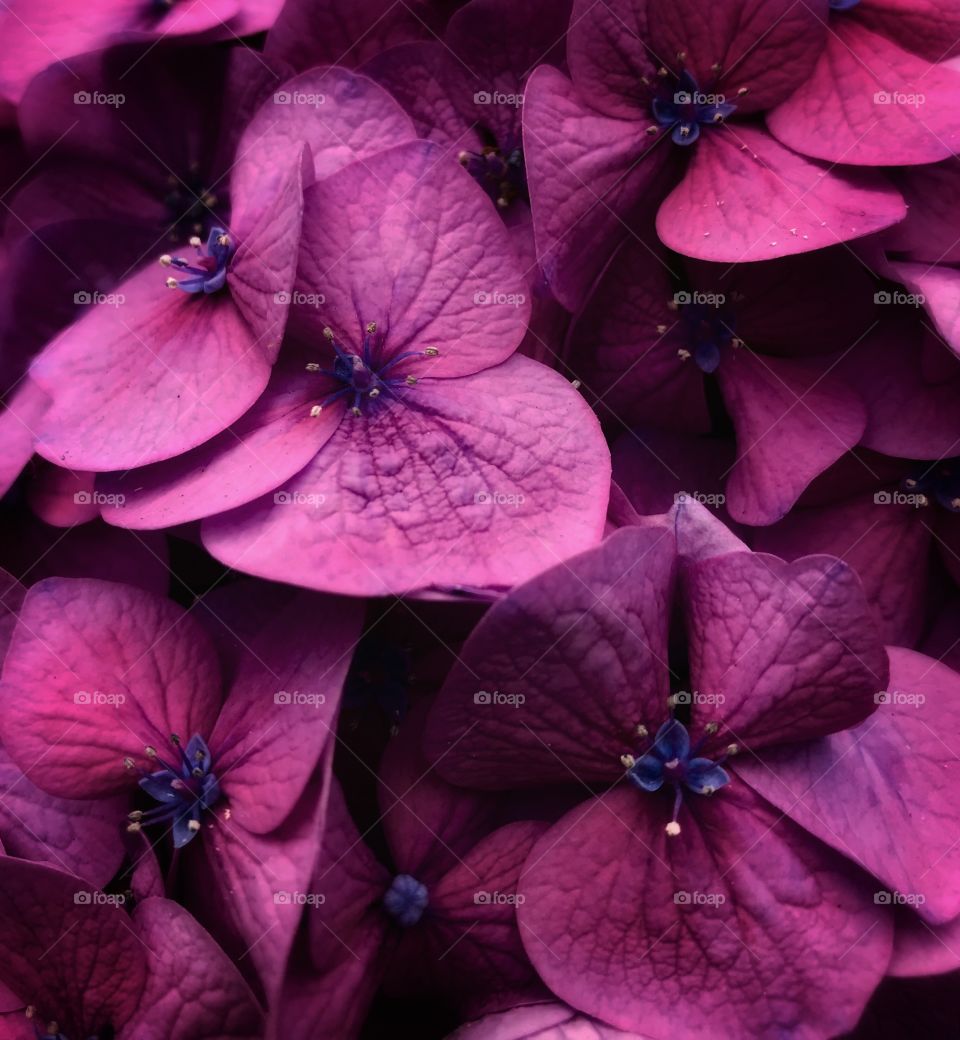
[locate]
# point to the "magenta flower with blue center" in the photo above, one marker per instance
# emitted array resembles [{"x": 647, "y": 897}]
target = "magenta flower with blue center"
[{"x": 717, "y": 879}]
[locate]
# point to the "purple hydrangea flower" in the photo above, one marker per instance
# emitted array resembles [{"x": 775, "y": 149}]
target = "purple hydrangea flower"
[
  {"x": 736, "y": 896},
  {"x": 115, "y": 689},
  {"x": 78, "y": 966},
  {"x": 663, "y": 97},
  {"x": 399, "y": 442}
]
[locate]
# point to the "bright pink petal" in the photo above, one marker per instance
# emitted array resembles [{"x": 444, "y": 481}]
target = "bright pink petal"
[
  {"x": 791, "y": 648},
  {"x": 794, "y": 419},
  {"x": 551, "y": 681},
  {"x": 479, "y": 481},
  {"x": 146, "y": 379},
  {"x": 869, "y": 102},
  {"x": 266, "y": 446},
  {"x": 897, "y": 770},
  {"x": 342, "y": 116},
  {"x": 404, "y": 239},
  {"x": 95, "y": 673},
  {"x": 540, "y": 1022},
  {"x": 193, "y": 991},
  {"x": 739, "y": 927},
  {"x": 747, "y": 197},
  {"x": 923, "y": 949}
]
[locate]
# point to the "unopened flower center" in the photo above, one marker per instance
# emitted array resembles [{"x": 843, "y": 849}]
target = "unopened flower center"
[
  {"x": 499, "y": 169},
  {"x": 405, "y": 900},
  {"x": 843, "y": 5},
  {"x": 207, "y": 271},
  {"x": 935, "y": 482},
  {"x": 186, "y": 788},
  {"x": 708, "y": 326},
  {"x": 672, "y": 762},
  {"x": 680, "y": 105},
  {"x": 188, "y": 199},
  {"x": 369, "y": 377}
]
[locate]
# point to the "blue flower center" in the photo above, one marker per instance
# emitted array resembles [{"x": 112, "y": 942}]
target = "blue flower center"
[
  {"x": 708, "y": 327},
  {"x": 938, "y": 482},
  {"x": 672, "y": 762},
  {"x": 500, "y": 170},
  {"x": 207, "y": 273},
  {"x": 405, "y": 900},
  {"x": 843, "y": 5},
  {"x": 185, "y": 790},
  {"x": 366, "y": 378},
  {"x": 683, "y": 108}
]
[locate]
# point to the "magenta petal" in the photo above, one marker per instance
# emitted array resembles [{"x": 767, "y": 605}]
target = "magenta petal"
[
  {"x": 471, "y": 944},
  {"x": 898, "y": 817},
  {"x": 20, "y": 418},
  {"x": 193, "y": 990},
  {"x": 794, "y": 418},
  {"x": 82, "y": 837},
  {"x": 347, "y": 930},
  {"x": 540, "y": 1022},
  {"x": 557, "y": 672},
  {"x": 907, "y": 415},
  {"x": 247, "y": 888},
  {"x": 747, "y": 197},
  {"x": 922, "y": 949},
  {"x": 932, "y": 194},
  {"x": 77, "y": 960},
  {"x": 869, "y": 102},
  {"x": 343, "y": 117},
  {"x": 769, "y": 47},
  {"x": 791, "y": 648},
  {"x": 98, "y": 671},
  {"x": 626, "y": 340},
  {"x": 340, "y": 32},
  {"x": 279, "y": 714},
  {"x": 481, "y": 481},
  {"x": 588, "y": 173},
  {"x": 784, "y": 938},
  {"x": 887, "y": 545},
  {"x": 266, "y": 446},
  {"x": 429, "y": 824},
  {"x": 168, "y": 371},
  {"x": 938, "y": 289},
  {"x": 407, "y": 240}
]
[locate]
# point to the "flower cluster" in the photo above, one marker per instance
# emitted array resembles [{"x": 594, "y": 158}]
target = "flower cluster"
[{"x": 479, "y": 552}]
